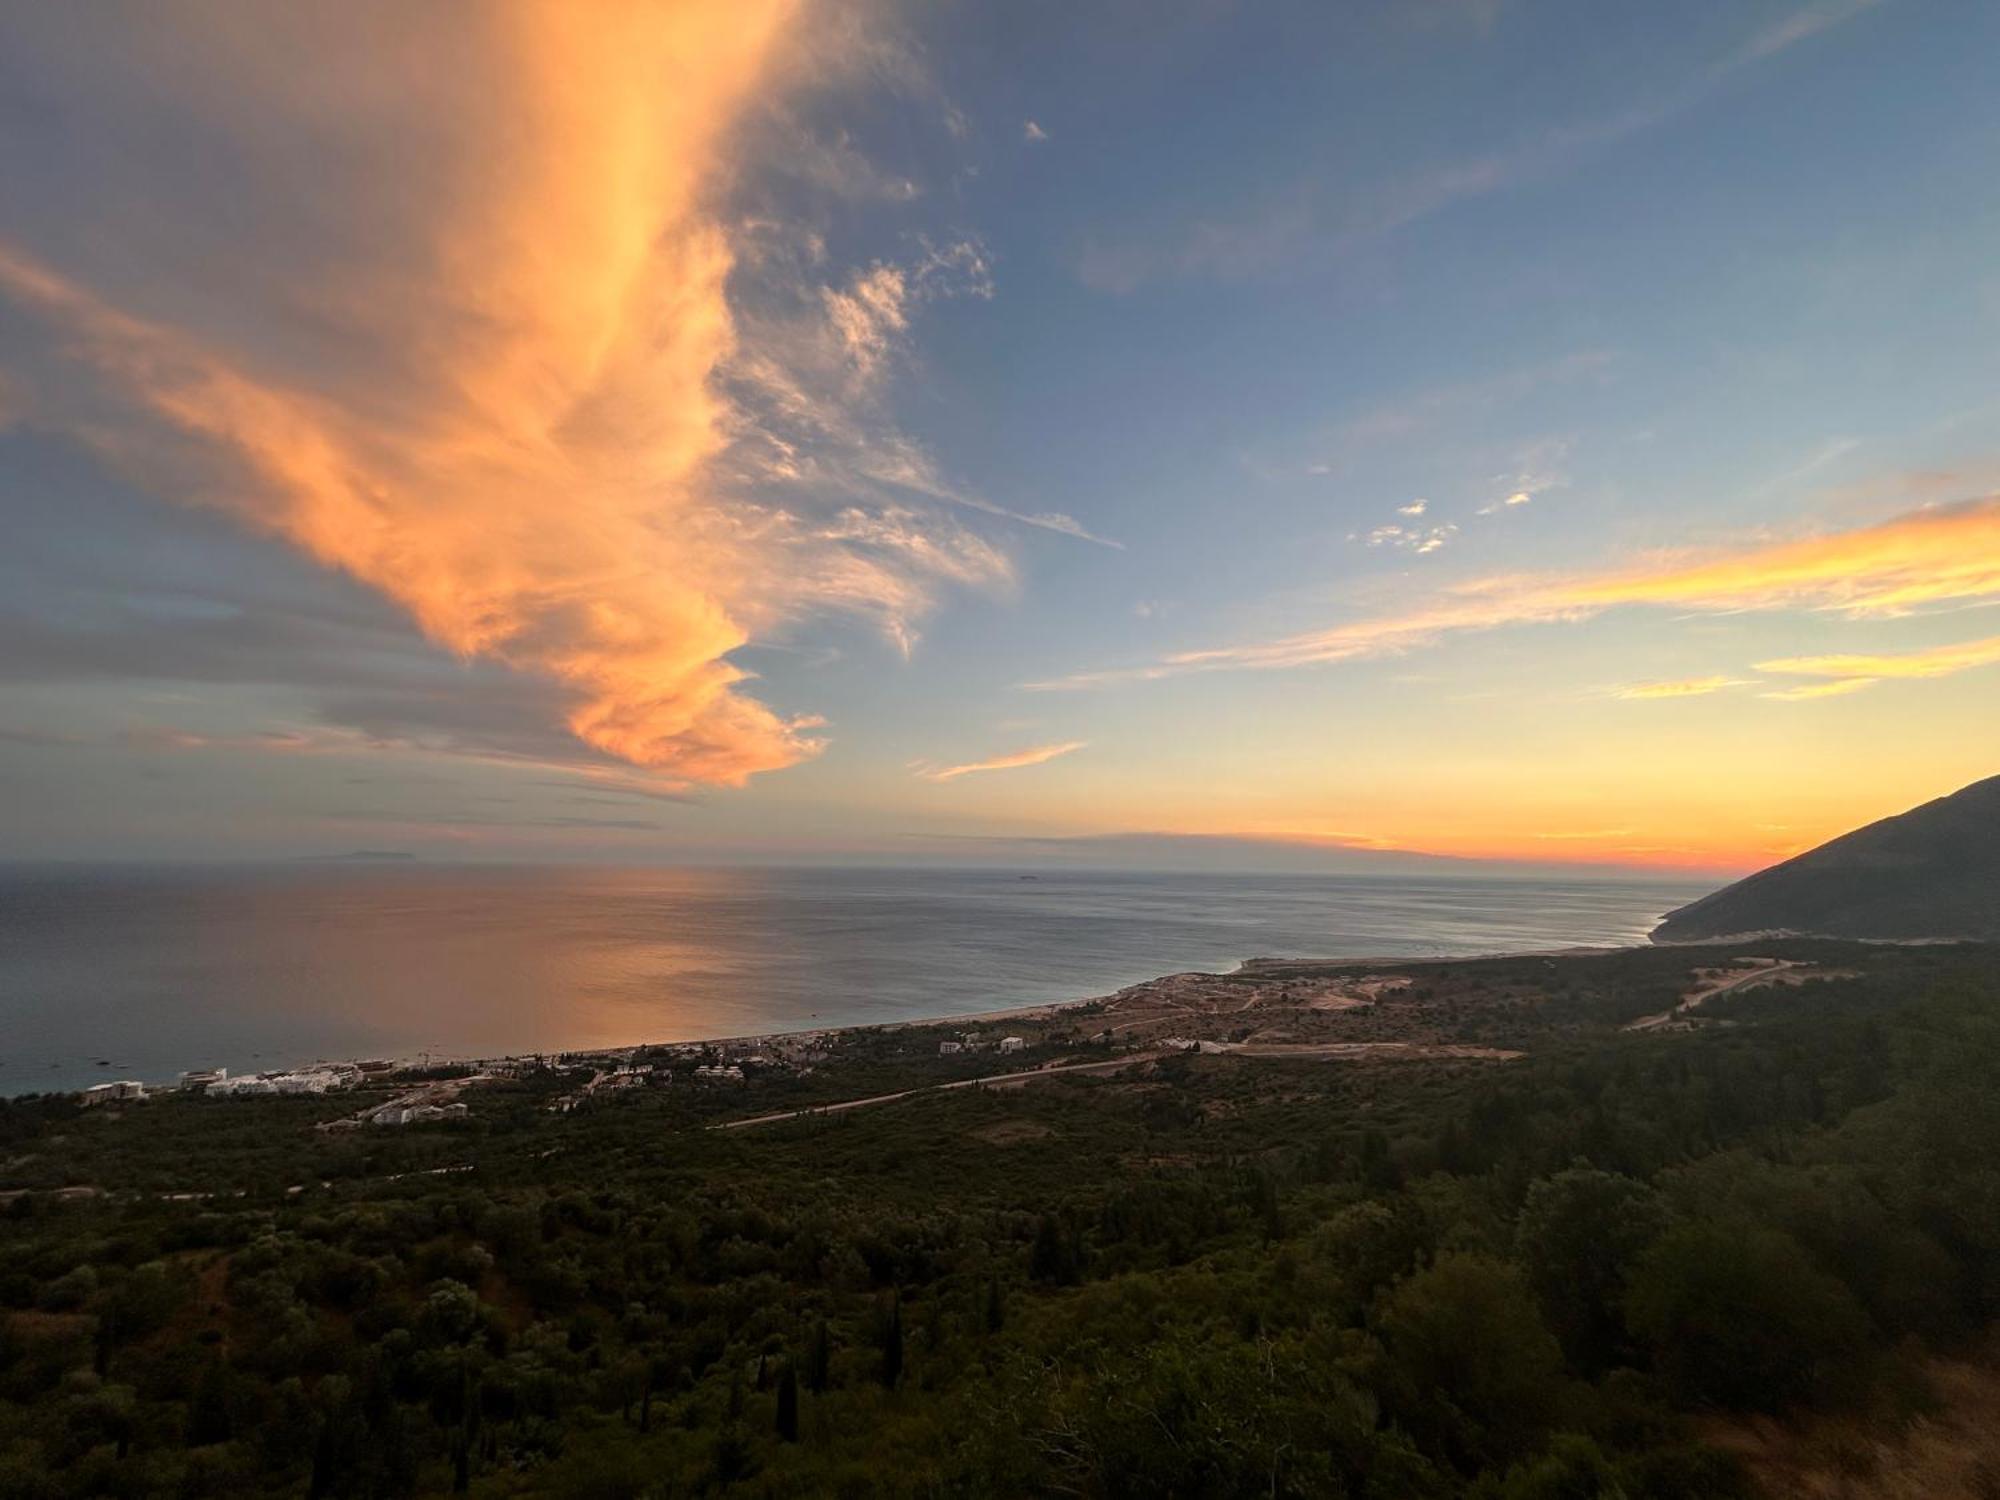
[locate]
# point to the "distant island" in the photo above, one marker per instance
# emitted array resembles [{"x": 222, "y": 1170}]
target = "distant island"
[
  {"x": 1930, "y": 874},
  {"x": 361, "y": 857}
]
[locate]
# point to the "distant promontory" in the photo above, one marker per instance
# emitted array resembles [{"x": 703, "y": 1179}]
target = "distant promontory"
[{"x": 1930, "y": 874}]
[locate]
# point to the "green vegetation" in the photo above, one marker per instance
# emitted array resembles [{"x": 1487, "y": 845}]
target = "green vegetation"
[
  {"x": 1212, "y": 1276},
  {"x": 1930, "y": 873}
]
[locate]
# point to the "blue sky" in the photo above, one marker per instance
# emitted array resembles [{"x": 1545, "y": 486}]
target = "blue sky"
[{"x": 1502, "y": 429}]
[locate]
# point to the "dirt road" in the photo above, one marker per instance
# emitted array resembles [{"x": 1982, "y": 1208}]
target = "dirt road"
[
  {"x": 997, "y": 1080},
  {"x": 1768, "y": 971},
  {"x": 1304, "y": 1051}
]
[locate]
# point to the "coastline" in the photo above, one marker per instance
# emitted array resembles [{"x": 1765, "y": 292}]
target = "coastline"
[
  {"x": 984, "y": 955},
  {"x": 1039, "y": 1011}
]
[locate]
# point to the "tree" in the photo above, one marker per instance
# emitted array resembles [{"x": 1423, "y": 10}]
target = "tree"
[
  {"x": 1577, "y": 1237},
  {"x": 788, "y": 1405},
  {"x": 1370, "y": 1244},
  {"x": 819, "y": 1361},
  {"x": 1740, "y": 1317},
  {"x": 1269, "y": 1218},
  {"x": 1574, "y": 1468},
  {"x": 1379, "y": 1172},
  {"x": 1470, "y": 1367},
  {"x": 1053, "y": 1259},
  {"x": 208, "y": 1408},
  {"x": 892, "y": 1345}
]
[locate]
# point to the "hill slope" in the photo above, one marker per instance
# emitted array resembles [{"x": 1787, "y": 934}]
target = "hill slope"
[{"x": 1932, "y": 872}]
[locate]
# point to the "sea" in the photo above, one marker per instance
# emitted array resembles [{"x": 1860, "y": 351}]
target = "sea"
[{"x": 143, "y": 973}]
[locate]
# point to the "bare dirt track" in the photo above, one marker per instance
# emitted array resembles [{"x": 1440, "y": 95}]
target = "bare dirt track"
[
  {"x": 1305, "y": 1052},
  {"x": 1713, "y": 982}
]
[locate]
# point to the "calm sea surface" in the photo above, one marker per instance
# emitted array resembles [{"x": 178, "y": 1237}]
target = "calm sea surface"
[{"x": 140, "y": 974}]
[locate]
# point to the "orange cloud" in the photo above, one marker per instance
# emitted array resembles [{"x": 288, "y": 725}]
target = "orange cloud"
[
  {"x": 1940, "y": 555},
  {"x": 487, "y": 383},
  {"x": 1939, "y": 661},
  {"x": 1038, "y": 755}
]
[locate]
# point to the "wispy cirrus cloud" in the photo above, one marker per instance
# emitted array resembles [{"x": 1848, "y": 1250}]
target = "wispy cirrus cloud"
[
  {"x": 1012, "y": 761},
  {"x": 1684, "y": 687},
  {"x": 1819, "y": 690},
  {"x": 1256, "y": 238},
  {"x": 810, "y": 367},
  {"x": 1937, "y": 556},
  {"x": 1790, "y": 30},
  {"x": 1853, "y": 671}
]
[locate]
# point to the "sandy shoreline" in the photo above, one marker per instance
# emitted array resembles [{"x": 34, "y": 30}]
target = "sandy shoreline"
[{"x": 1038, "y": 1011}]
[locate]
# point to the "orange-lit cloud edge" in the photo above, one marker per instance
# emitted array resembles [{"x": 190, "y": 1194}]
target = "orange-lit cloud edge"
[
  {"x": 526, "y": 452},
  {"x": 1015, "y": 760},
  {"x": 1939, "y": 555},
  {"x": 500, "y": 399},
  {"x": 1936, "y": 558}
]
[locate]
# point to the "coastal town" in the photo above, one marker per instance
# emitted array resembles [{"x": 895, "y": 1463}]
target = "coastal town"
[{"x": 1461, "y": 1011}]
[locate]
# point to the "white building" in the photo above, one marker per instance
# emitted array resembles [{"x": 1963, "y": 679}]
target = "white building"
[
  {"x": 305, "y": 1083},
  {"x": 313, "y": 1081},
  {"x": 201, "y": 1078},
  {"x": 1013, "y": 1044},
  {"x": 121, "y": 1091},
  {"x": 719, "y": 1073},
  {"x": 230, "y": 1087},
  {"x": 945, "y": 1049}
]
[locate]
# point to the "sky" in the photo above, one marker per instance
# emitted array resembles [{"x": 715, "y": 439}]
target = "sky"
[{"x": 776, "y": 430}]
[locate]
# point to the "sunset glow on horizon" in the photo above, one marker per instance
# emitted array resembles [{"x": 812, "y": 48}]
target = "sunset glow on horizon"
[{"x": 791, "y": 429}]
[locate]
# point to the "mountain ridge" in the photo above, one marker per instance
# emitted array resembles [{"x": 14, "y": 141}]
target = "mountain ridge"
[{"x": 1929, "y": 874}]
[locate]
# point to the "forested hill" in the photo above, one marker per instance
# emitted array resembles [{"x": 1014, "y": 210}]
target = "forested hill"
[
  {"x": 1654, "y": 1224},
  {"x": 1932, "y": 872}
]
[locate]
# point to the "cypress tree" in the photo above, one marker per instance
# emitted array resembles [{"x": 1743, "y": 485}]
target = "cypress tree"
[
  {"x": 208, "y": 1410},
  {"x": 819, "y": 1362},
  {"x": 788, "y": 1405},
  {"x": 1053, "y": 1259},
  {"x": 892, "y": 1345}
]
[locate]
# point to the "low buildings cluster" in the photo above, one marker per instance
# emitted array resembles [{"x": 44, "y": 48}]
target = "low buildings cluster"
[
  {"x": 123, "y": 1091},
  {"x": 972, "y": 1041},
  {"x": 218, "y": 1084},
  {"x": 416, "y": 1114},
  {"x": 635, "y": 1077}
]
